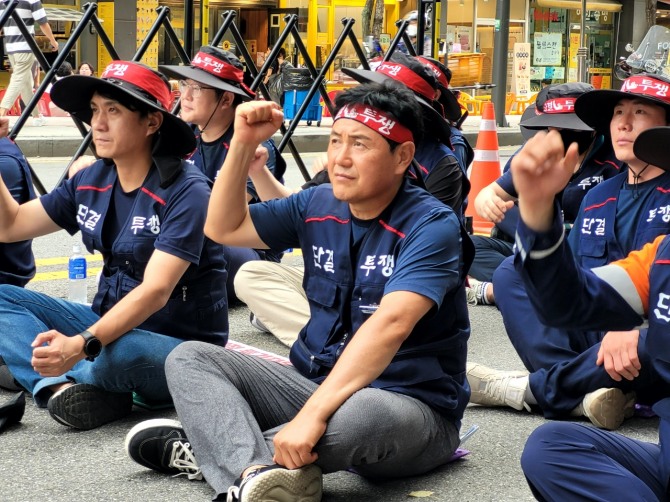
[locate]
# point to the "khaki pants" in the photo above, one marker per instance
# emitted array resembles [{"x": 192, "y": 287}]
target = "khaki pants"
[
  {"x": 21, "y": 81},
  {"x": 274, "y": 293}
]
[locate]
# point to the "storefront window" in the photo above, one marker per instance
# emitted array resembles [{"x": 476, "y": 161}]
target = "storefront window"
[{"x": 556, "y": 37}]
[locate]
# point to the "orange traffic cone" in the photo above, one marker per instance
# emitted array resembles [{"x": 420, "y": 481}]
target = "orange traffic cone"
[{"x": 485, "y": 167}]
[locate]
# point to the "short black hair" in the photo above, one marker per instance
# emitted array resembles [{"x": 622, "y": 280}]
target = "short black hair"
[
  {"x": 392, "y": 98},
  {"x": 64, "y": 69}
]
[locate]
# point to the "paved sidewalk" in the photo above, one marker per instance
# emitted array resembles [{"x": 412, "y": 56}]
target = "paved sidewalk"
[{"x": 61, "y": 138}]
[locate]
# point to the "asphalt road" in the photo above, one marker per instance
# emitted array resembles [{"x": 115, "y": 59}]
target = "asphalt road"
[{"x": 41, "y": 460}]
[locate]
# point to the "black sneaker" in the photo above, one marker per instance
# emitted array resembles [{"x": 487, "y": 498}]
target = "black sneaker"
[
  {"x": 160, "y": 444},
  {"x": 83, "y": 406},
  {"x": 276, "y": 483},
  {"x": 7, "y": 379}
]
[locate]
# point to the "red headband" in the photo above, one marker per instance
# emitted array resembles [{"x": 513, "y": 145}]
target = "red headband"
[
  {"x": 219, "y": 68},
  {"x": 142, "y": 78},
  {"x": 647, "y": 86},
  {"x": 559, "y": 105},
  {"x": 439, "y": 74},
  {"x": 376, "y": 120},
  {"x": 408, "y": 77}
]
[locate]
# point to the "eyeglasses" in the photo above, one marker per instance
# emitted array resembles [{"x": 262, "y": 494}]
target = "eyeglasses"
[{"x": 194, "y": 88}]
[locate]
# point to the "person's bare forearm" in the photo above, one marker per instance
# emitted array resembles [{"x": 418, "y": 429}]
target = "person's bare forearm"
[
  {"x": 267, "y": 186},
  {"x": 46, "y": 29},
  {"x": 228, "y": 203}
]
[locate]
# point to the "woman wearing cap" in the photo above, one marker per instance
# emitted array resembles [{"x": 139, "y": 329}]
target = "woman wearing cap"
[
  {"x": 554, "y": 108},
  {"x": 579, "y": 372},
  {"x": 566, "y": 461},
  {"x": 143, "y": 209},
  {"x": 212, "y": 87}
]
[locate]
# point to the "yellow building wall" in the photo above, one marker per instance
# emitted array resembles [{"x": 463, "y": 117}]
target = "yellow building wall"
[{"x": 323, "y": 41}]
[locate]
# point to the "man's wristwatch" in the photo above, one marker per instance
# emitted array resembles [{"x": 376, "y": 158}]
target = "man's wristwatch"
[{"x": 92, "y": 346}]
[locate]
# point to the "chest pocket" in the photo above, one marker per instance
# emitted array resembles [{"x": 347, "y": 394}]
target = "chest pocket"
[
  {"x": 593, "y": 252},
  {"x": 325, "y": 322}
]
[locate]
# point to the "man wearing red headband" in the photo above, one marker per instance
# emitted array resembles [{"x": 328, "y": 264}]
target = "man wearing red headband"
[
  {"x": 554, "y": 108},
  {"x": 580, "y": 372},
  {"x": 212, "y": 87},
  {"x": 377, "y": 383}
]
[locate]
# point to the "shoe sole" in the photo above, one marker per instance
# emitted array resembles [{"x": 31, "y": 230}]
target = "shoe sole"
[
  {"x": 163, "y": 427},
  {"x": 85, "y": 407},
  {"x": 610, "y": 408},
  {"x": 286, "y": 485},
  {"x": 148, "y": 424}
]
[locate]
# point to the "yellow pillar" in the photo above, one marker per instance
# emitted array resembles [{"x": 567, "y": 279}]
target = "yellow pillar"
[{"x": 106, "y": 14}]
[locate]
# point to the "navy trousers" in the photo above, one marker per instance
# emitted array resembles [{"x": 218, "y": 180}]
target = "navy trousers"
[
  {"x": 489, "y": 253},
  {"x": 568, "y": 461},
  {"x": 561, "y": 362}
]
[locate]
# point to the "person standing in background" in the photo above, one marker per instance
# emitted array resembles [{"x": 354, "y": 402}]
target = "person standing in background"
[{"x": 21, "y": 56}]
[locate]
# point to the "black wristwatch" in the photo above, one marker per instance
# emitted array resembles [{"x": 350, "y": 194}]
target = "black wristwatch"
[{"x": 92, "y": 346}]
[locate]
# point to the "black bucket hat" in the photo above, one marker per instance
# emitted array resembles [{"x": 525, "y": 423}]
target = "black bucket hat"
[
  {"x": 555, "y": 107},
  {"x": 651, "y": 146},
  {"x": 596, "y": 108},
  {"x": 216, "y": 68},
  {"x": 450, "y": 107},
  {"x": 138, "y": 82},
  {"x": 415, "y": 76}
]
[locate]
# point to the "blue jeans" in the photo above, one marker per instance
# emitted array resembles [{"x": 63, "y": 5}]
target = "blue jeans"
[{"x": 132, "y": 363}]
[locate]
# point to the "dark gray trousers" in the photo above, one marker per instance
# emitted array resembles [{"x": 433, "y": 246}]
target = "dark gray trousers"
[{"x": 231, "y": 405}]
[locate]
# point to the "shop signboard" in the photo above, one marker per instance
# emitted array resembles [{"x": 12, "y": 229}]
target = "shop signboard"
[
  {"x": 547, "y": 49},
  {"x": 522, "y": 68}
]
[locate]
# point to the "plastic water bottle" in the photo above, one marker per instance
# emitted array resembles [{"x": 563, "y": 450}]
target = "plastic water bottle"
[{"x": 77, "y": 272}]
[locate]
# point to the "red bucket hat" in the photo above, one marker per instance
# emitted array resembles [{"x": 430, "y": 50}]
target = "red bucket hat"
[
  {"x": 596, "y": 108},
  {"x": 216, "y": 68},
  {"x": 140, "y": 83}
]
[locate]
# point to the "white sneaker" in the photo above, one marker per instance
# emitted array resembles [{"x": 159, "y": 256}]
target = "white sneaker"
[
  {"x": 39, "y": 121},
  {"x": 490, "y": 387},
  {"x": 606, "y": 408},
  {"x": 475, "y": 293}
]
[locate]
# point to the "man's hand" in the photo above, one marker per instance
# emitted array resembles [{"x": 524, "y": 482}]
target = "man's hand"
[
  {"x": 491, "y": 206},
  {"x": 54, "y": 46},
  {"x": 257, "y": 121},
  {"x": 259, "y": 161},
  {"x": 618, "y": 352},
  {"x": 541, "y": 170},
  {"x": 294, "y": 444},
  {"x": 55, "y": 353}
]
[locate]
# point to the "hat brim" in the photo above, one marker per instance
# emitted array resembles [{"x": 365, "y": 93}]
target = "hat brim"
[
  {"x": 199, "y": 75},
  {"x": 452, "y": 110},
  {"x": 652, "y": 146},
  {"x": 435, "y": 123},
  {"x": 73, "y": 94},
  {"x": 595, "y": 108},
  {"x": 531, "y": 122}
]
